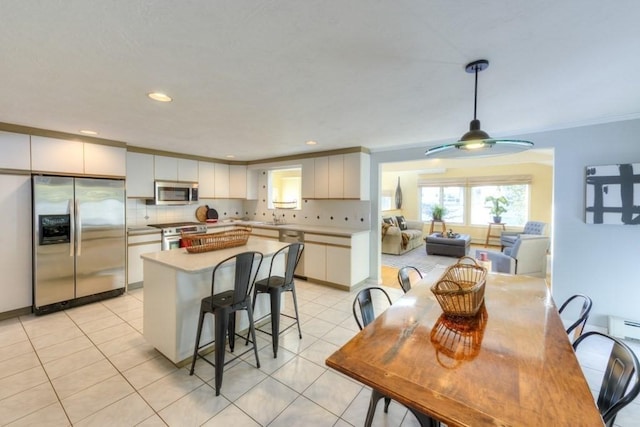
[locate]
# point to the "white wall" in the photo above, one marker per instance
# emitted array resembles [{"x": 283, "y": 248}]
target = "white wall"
[{"x": 602, "y": 261}]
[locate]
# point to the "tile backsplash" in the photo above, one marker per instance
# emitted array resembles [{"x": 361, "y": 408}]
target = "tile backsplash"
[
  {"x": 330, "y": 213},
  {"x": 139, "y": 213}
]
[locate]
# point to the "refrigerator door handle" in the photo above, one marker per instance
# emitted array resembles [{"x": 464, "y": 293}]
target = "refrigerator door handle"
[
  {"x": 78, "y": 228},
  {"x": 72, "y": 225}
]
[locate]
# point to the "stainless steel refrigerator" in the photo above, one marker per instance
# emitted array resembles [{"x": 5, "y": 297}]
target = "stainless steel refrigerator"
[{"x": 79, "y": 241}]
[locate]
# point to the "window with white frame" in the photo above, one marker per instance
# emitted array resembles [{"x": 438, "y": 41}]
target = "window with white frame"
[
  {"x": 517, "y": 210},
  {"x": 464, "y": 198},
  {"x": 386, "y": 199},
  {"x": 451, "y": 197}
]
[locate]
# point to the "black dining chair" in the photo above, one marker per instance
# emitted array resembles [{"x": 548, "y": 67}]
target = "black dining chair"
[
  {"x": 242, "y": 269},
  {"x": 274, "y": 285},
  {"x": 404, "y": 277},
  {"x": 616, "y": 390},
  {"x": 364, "y": 301},
  {"x": 571, "y": 304},
  {"x": 366, "y": 305}
]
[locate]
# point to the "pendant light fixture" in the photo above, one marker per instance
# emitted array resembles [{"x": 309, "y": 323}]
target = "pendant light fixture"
[{"x": 476, "y": 142}]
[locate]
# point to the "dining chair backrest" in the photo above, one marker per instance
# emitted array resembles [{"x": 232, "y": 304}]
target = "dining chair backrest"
[
  {"x": 577, "y": 326},
  {"x": 365, "y": 301},
  {"x": 622, "y": 366},
  {"x": 404, "y": 277},
  {"x": 245, "y": 271},
  {"x": 292, "y": 254}
]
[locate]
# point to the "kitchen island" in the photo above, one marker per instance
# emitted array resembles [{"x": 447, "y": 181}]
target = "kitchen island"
[
  {"x": 338, "y": 256},
  {"x": 175, "y": 282}
]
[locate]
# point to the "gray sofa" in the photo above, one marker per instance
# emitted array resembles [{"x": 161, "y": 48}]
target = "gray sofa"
[{"x": 396, "y": 241}]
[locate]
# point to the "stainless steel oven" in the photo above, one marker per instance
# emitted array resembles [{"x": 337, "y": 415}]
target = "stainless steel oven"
[{"x": 172, "y": 232}]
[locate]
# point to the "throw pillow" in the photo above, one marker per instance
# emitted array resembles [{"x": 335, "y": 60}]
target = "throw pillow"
[
  {"x": 387, "y": 220},
  {"x": 402, "y": 223}
]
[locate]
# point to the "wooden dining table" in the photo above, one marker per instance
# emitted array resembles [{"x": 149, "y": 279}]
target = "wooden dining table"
[{"x": 510, "y": 365}]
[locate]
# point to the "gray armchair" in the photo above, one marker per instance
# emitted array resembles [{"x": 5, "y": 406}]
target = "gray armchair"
[
  {"x": 508, "y": 238},
  {"x": 528, "y": 255}
]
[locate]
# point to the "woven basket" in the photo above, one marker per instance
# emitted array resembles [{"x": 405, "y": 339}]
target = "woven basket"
[
  {"x": 198, "y": 243},
  {"x": 460, "y": 290}
]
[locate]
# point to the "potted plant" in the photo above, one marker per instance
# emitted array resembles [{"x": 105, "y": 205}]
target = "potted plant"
[
  {"x": 496, "y": 207},
  {"x": 438, "y": 212}
]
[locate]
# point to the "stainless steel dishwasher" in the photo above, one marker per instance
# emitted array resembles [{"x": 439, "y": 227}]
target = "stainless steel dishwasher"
[{"x": 294, "y": 236}]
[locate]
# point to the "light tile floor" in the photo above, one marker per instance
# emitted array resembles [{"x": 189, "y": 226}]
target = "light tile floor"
[{"x": 90, "y": 366}]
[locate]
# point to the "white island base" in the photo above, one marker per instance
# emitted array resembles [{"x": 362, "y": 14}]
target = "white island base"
[{"x": 175, "y": 283}]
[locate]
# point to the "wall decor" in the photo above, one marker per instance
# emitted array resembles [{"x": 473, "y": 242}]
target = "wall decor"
[
  {"x": 398, "y": 195},
  {"x": 613, "y": 194}
]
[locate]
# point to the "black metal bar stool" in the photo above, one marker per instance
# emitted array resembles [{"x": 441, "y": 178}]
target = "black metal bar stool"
[
  {"x": 223, "y": 306},
  {"x": 275, "y": 285}
]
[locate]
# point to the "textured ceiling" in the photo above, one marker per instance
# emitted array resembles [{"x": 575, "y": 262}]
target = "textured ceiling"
[{"x": 257, "y": 79}]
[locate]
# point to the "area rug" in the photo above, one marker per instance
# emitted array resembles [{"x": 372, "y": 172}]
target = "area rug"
[{"x": 418, "y": 258}]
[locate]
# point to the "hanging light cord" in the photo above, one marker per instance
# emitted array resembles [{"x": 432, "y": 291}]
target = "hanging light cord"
[{"x": 475, "y": 94}]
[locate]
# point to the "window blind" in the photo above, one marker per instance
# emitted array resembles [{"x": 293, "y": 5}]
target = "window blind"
[{"x": 476, "y": 181}]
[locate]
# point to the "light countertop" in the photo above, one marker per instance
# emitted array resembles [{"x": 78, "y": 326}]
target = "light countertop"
[
  {"x": 180, "y": 259},
  {"x": 315, "y": 229}
]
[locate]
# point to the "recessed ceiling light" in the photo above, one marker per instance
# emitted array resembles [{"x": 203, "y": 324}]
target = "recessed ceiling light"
[
  {"x": 311, "y": 142},
  {"x": 88, "y": 132},
  {"x": 230, "y": 156},
  {"x": 159, "y": 96}
]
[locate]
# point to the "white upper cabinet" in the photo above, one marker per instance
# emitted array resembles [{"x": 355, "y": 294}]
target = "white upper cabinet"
[
  {"x": 187, "y": 170},
  {"x": 252, "y": 184},
  {"x": 221, "y": 184},
  {"x": 221, "y": 181},
  {"x": 175, "y": 169},
  {"x": 237, "y": 182},
  {"x": 57, "y": 155},
  {"x": 308, "y": 179},
  {"x": 105, "y": 160},
  {"x": 140, "y": 175},
  {"x": 341, "y": 176},
  {"x": 321, "y": 177},
  {"x": 356, "y": 176},
  {"x": 166, "y": 168},
  {"x": 15, "y": 151},
  {"x": 206, "y": 180},
  {"x": 76, "y": 157},
  {"x": 336, "y": 171}
]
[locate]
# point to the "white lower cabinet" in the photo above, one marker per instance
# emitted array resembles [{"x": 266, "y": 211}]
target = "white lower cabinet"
[
  {"x": 266, "y": 233},
  {"x": 337, "y": 260},
  {"x": 339, "y": 265},
  {"x": 137, "y": 245},
  {"x": 315, "y": 255}
]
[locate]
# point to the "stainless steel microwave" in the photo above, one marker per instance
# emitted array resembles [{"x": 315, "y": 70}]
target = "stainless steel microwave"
[{"x": 174, "y": 193}]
